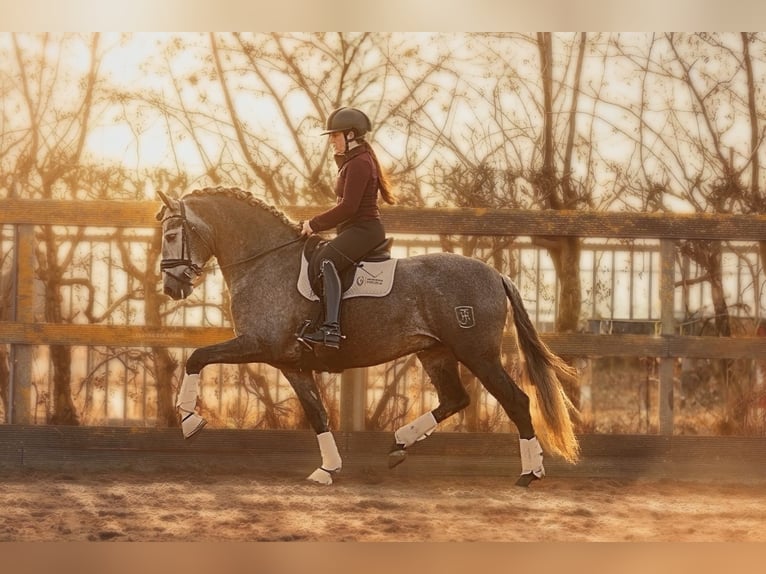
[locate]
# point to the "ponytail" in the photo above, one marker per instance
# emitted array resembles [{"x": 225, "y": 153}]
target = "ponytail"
[{"x": 384, "y": 184}]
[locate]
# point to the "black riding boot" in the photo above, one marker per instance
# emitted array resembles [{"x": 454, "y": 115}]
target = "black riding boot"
[{"x": 329, "y": 333}]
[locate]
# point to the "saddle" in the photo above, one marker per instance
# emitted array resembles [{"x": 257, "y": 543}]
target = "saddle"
[{"x": 371, "y": 276}]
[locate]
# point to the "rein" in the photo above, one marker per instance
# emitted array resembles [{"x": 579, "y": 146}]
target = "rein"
[
  {"x": 262, "y": 253},
  {"x": 194, "y": 269}
]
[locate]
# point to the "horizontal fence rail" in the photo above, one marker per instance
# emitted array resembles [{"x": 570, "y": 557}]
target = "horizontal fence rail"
[
  {"x": 567, "y": 344},
  {"x": 453, "y": 221},
  {"x": 666, "y": 344}
]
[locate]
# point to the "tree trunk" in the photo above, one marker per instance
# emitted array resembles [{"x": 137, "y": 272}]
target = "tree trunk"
[
  {"x": 64, "y": 412},
  {"x": 558, "y": 193},
  {"x": 165, "y": 364},
  {"x": 566, "y": 260},
  {"x": 164, "y": 368},
  {"x": 721, "y": 309},
  {"x": 567, "y": 263}
]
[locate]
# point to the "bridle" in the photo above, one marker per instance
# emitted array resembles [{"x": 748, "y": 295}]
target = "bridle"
[{"x": 193, "y": 271}]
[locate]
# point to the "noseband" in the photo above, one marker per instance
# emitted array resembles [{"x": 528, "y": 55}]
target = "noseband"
[{"x": 192, "y": 270}]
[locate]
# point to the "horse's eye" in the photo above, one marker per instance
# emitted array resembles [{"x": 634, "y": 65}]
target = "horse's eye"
[{"x": 171, "y": 236}]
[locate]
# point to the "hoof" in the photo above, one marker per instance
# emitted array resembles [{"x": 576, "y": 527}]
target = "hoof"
[
  {"x": 397, "y": 455},
  {"x": 192, "y": 424},
  {"x": 322, "y": 476},
  {"x": 525, "y": 479}
]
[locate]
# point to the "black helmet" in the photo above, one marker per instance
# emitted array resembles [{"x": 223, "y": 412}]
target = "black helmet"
[{"x": 345, "y": 119}]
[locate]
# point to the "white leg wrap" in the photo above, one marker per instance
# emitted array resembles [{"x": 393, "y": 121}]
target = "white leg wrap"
[
  {"x": 417, "y": 430},
  {"x": 331, "y": 461},
  {"x": 330, "y": 456},
  {"x": 531, "y": 457},
  {"x": 187, "y": 395},
  {"x": 191, "y": 422}
]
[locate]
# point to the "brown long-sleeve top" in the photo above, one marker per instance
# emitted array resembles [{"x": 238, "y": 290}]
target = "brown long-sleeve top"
[{"x": 356, "y": 189}]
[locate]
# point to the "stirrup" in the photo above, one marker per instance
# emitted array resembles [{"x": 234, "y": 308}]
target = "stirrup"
[{"x": 327, "y": 336}]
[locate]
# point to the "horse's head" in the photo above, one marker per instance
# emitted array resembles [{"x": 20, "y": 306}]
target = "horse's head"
[{"x": 185, "y": 250}]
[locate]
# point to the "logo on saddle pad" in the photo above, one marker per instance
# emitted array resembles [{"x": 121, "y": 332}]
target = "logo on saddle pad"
[{"x": 371, "y": 279}]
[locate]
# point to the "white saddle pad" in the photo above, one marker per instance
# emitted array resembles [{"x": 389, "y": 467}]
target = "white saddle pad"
[{"x": 372, "y": 279}]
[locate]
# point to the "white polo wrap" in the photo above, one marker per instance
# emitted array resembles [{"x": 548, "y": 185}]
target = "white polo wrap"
[
  {"x": 417, "y": 430},
  {"x": 191, "y": 422},
  {"x": 531, "y": 457},
  {"x": 187, "y": 395},
  {"x": 331, "y": 460}
]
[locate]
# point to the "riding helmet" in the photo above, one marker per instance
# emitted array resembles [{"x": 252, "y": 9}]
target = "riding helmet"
[{"x": 346, "y": 119}]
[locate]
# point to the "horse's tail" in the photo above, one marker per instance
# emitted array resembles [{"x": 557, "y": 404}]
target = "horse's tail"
[{"x": 545, "y": 371}]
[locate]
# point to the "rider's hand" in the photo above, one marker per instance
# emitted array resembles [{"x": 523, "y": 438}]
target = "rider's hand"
[{"x": 307, "y": 229}]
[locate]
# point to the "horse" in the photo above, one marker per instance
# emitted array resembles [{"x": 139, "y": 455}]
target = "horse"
[{"x": 446, "y": 308}]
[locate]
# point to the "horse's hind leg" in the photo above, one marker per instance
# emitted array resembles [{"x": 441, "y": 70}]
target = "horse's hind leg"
[
  {"x": 442, "y": 368},
  {"x": 515, "y": 403},
  {"x": 305, "y": 388}
]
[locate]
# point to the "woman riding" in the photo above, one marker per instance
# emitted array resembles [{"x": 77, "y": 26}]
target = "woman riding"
[{"x": 356, "y": 214}]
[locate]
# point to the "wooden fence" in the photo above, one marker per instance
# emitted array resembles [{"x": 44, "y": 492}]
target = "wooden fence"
[
  {"x": 23, "y": 332},
  {"x": 294, "y": 453}
]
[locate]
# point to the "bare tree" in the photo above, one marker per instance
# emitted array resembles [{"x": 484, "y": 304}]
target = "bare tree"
[
  {"x": 699, "y": 144},
  {"x": 526, "y": 140},
  {"x": 54, "y": 106},
  {"x": 253, "y": 105},
  {"x": 699, "y": 134},
  {"x": 49, "y": 154}
]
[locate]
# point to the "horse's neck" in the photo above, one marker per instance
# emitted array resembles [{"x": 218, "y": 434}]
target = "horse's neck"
[
  {"x": 248, "y": 236},
  {"x": 252, "y": 284}
]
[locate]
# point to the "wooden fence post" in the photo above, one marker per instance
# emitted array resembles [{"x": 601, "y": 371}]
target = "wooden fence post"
[
  {"x": 667, "y": 364},
  {"x": 20, "y": 399}
]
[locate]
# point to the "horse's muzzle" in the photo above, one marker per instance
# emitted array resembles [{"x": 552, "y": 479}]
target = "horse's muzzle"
[{"x": 176, "y": 289}]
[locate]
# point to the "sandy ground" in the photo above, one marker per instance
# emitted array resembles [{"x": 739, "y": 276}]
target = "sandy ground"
[{"x": 113, "y": 506}]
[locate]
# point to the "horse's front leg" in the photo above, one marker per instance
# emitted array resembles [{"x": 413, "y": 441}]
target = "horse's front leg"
[
  {"x": 237, "y": 350},
  {"x": 308, "y": 394}
]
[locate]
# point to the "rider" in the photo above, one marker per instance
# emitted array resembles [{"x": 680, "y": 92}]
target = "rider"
[{"x": 356, "y": 214}]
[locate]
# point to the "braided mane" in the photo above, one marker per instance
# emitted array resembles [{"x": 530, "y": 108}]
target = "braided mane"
[{"x": 247, "y": 197}]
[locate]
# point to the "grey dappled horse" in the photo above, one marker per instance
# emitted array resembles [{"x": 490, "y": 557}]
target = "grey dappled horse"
[{"x": 446, "y": 308}]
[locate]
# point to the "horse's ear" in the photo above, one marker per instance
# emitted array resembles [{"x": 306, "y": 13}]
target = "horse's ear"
[
  {"x": 165, "y": 199},
  {"x": 168, "y": 203}
]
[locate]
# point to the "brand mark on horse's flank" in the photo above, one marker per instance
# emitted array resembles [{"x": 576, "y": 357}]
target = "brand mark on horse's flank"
[{"x": 464, "y": 316}]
